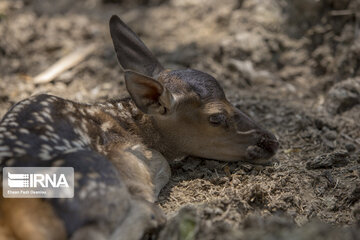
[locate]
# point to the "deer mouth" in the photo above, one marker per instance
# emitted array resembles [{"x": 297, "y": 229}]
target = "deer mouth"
[
  {"x": 262, "y": 152},
  {"x": 258, "y": 155}
]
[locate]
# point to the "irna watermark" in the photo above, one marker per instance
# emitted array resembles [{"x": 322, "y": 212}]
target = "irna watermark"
[{"x": 38, "y": 182}]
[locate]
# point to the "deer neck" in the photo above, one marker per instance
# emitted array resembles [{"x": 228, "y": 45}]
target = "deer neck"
[{"x": 144, "y": 127}]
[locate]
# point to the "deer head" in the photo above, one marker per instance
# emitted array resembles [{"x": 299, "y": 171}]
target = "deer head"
[{"x": 188, "y": 107}]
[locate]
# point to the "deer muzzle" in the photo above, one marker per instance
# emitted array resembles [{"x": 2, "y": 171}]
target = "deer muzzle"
[{"x": 265, "y": 147}]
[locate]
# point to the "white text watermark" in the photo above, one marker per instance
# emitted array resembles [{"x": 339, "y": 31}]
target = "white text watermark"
[{"x": 38, "y": 182}]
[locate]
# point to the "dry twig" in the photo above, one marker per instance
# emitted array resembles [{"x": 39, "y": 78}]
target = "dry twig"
[{"x": 65, "y": 63}]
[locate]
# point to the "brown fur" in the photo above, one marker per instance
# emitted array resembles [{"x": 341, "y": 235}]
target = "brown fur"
[
  {"x": 31, "y": 219},
  {"x": 135, "y": 173}
]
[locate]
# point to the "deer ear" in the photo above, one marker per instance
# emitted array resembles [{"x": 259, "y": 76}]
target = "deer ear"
[
  {"x": 131, "y": 52},
  {"x": 148, "y": 94}
]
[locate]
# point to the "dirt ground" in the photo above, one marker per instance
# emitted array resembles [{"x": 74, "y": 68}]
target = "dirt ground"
[{"x": 294, "y": 66}]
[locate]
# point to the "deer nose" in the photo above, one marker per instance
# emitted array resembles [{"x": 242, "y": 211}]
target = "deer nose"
[{"x": 268, "y": 142}]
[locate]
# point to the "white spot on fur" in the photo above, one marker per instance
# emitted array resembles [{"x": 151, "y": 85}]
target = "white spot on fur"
[
  {"x": 38, "y": 118},
  {"x": 45, "y": 138},
  {"x": 22, "y": 144},
  {"x": 72, "y": 119},
  {"x": 10, "y": 162},
  {"x": 46, "y": 115},
  {"x": 44, "y": 155},
  {"x": 88, "y": 188},
  {"x": 83, "y": 126},
  {"x": 19, "y": 151},
  {"x": 67, "y": 143},
  {"x": 49, "y": 127},
  {"x": 53, "y": 136},
  {"x": 20, "y": 105},
  {"x": 70, "y": 107},
  {"x": 10, "y": 135},
  {"x": 84, "y": 138},
  {"x": 135, "y": 147},
  {"x": 120, "y": 106},
  {"x": 110, "y": 111},
  {"x": 4, "y": 148},
  {"x": 60, "y": 148},
  {"x": 77, "y": 143},
  {"x": 47, "y": 110},
  {"x": 13, "y": 124},
  {"x": 44, "y": 103},
  {"x": 58, "y": 163},
  {"x": 24, "y": 131},
  {"x": 106, "y": 126},
  {"x": 6, "y": 154},
  {"x": 93, "y": 175},
  {"x": 46, "y": 147},
  {"x": 148, "y": 154},
  {"x": 92, "y": 111}
]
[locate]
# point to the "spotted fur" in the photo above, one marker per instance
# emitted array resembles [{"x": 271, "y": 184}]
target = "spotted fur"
[{"x": 93, "y": 139}]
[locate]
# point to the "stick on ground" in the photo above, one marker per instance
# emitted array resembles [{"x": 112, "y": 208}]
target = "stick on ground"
[{"x": 65, "y": 63}]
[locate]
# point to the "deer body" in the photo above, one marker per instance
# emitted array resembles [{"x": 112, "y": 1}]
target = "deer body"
[
  {"x": 115, "y": 129},
  {"x": 119, "y": 149},
  {"x": 103, "y": 137}
]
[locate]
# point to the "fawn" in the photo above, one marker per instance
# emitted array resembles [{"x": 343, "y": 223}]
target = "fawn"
[{"x": 120, "y": 149}]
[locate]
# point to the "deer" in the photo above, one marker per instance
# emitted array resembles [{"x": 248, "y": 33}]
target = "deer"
[{"x": 120, "y": 149}]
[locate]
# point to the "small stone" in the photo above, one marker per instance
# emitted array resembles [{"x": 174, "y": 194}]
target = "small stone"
[
  {"x": 208, "y": 211},
  {"x": 319, "y": 124},
  {"x": 356, "y": 156},
  {"x": 330, "y": 203},
  {"x": 334, "y": 159},
  {"x": 190, "y": 164},
  {"x": 350, "y": 147},
  {"x": 330, "y": 135},
  {"x": 356, "y": 213},
  {"x": 343, "y": 96},
  {"x": 218, "y": 211},
  {"x": 330, "y": 144},
  {"x": 354, "y": 197}
]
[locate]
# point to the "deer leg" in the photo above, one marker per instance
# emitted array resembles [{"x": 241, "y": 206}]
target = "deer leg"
[
  {"x": 161, "y": 171},
  {"x": 145, "y": 171},
  {"x": 89, "y": 232},
  {"x": 143, "y": 218},
  {"x": 101, "y": 199}
]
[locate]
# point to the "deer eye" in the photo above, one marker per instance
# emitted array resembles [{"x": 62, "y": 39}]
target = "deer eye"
[{"x": 217, "y": 119}]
